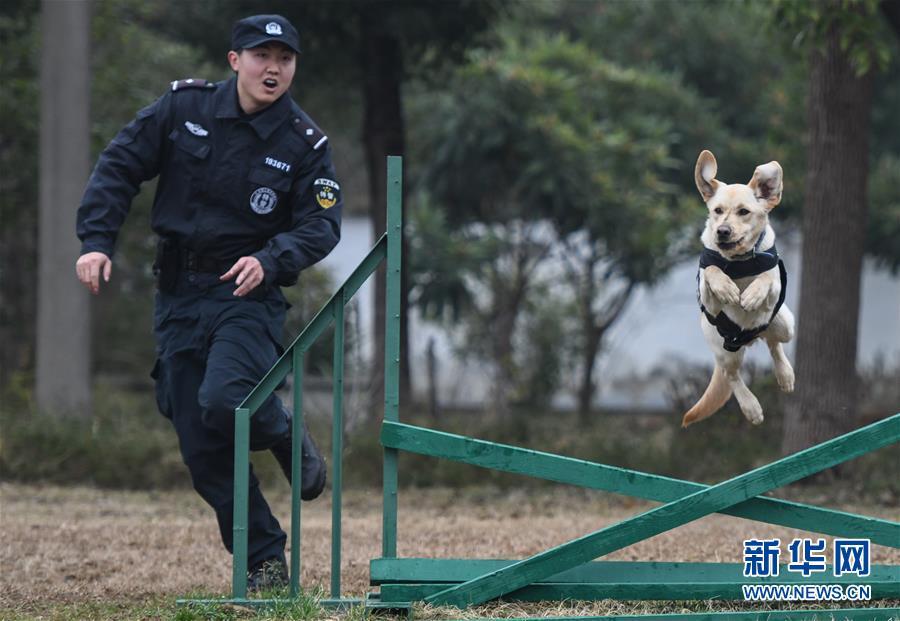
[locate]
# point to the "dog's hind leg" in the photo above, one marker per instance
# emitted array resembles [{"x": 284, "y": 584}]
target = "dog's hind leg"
[
  {"x": 731, "y": 367},
  {"x": 782, "y": 327},
  {"x": 780, "y": 331}
]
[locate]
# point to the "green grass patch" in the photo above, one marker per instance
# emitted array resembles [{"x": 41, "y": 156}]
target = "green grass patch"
[{"x": 305, "y": 607}]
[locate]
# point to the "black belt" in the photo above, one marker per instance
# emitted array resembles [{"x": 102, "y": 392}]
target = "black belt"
[{"x": 193, "y": 262}]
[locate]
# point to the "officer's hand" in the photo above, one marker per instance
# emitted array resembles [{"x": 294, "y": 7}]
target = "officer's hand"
[
  {"x": 249, "y": 272},
  {"x": 88, "y": 268}
]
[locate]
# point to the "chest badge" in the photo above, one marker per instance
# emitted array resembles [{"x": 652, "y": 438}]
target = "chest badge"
[
  {"x": 327, "y": 192},
  {"x": 263, "y": 200},
  {"x": 196, "y": 129}
]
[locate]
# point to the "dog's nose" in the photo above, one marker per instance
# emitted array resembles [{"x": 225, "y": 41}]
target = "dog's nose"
[{"x": 723, "y": 231}]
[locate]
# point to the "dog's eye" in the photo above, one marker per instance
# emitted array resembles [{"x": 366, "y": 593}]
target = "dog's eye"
[
  {"x": 743, "y": 212},
  {"x": 718, "y": 210}
]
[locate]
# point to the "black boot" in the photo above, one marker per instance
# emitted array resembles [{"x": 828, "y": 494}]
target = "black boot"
[
  {"x": 314, "y": 467},
  {"x": 267, "y": 575}
]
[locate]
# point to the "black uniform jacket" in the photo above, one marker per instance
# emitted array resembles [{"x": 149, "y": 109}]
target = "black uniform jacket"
[{"x": 230, "y": 185}]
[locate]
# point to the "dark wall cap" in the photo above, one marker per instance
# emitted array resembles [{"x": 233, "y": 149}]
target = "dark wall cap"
[{"x": 257, "y": 30}]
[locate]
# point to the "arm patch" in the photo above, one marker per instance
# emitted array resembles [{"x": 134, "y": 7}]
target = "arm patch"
[
  {"x": 178, "y": 85},
  {"x": 311, "y": 134}
]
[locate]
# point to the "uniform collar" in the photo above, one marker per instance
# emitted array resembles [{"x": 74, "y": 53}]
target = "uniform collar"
[{"x": 264, "y": 123}]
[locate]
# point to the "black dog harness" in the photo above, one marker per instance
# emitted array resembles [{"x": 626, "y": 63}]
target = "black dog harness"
[{"x": 757, "y": 262}]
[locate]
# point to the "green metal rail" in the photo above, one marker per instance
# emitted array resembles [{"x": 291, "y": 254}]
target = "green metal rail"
[{"x": 387, "y": 248}]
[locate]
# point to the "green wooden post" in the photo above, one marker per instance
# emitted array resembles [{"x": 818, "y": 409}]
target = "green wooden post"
[
  {"x": 630, "y": 482},
  {"x": 241, "y": 502},
  {"x": 392, "y": 348},
  {"x": 337, "y": 444},
  {"x": 296, "y": 468},
  {"x": 671, "y": 515}
]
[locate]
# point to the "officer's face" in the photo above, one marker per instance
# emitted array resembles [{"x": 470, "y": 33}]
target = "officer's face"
[{"x": 264, "y": 74}]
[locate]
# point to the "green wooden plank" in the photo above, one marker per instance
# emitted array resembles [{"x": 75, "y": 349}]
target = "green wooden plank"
[
  {"x": 838, "y": 614},
  {"x": 296, "y": 469},
  {"x": 557, "y": 591},
  {"x": 241, "y": 501},
  {"x": 671, "y": 515},
  {"x": 337, "y": 444},
  {"x": 629, "y": 482},
  {"x": 425, "y": 570},
  {"x": 392, "y": 348}
]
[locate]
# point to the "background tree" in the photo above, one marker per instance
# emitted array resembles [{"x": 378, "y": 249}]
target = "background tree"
[
  {"x": 19, "y": 122},
  {"x": 726, "y": 53},
  {"x": 542, "y": 142},
  {"x": 846, "y": 47},
  {"x": 63, "y": 374}
]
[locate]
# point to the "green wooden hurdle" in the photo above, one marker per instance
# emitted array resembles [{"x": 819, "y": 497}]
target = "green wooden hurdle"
[
  {"x": 680, "y": 511},
  {"x": 567, "y": 571}
]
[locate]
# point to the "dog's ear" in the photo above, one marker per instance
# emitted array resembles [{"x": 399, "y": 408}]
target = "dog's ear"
[
  {"x": 705, "y": 175},
  {"x": 767, "y": 183}
]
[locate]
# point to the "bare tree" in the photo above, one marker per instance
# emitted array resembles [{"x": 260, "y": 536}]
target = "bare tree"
[{"x": 63, "y": 380}]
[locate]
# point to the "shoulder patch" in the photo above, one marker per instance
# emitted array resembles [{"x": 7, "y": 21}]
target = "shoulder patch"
[
  {"x": 311, "y": 134},
  {"x": 178, "y": 85}
]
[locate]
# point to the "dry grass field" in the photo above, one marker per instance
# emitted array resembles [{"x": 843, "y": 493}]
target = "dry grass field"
[{"x": 87, "y": 553}]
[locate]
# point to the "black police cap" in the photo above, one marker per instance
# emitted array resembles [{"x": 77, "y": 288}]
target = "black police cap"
[{"x": 258, "y": 30}]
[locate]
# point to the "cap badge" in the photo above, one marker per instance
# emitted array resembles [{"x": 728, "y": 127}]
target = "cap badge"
[{"x": 273, "y": 28}]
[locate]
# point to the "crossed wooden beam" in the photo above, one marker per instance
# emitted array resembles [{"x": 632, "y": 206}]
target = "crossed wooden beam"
[{"x": 685, "y": 501}]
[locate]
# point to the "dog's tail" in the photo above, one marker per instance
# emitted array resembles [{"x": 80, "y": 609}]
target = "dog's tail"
[{"x": 714, "y": 397}]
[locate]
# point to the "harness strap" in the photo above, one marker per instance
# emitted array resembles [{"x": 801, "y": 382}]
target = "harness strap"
[
  {"x": 734, "y": 336},
  {"x": 756, "y": 261}
]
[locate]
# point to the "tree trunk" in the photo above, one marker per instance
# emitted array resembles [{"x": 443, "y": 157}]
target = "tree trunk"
[
  {"x": 592, "y": 337},
  {"x": 383, "y": 135},
  {"x": 834, "y": 223},
  {"x": 432, "y": 368},
  {"x": 63, "y": 379},
  {"x": 504, "y": 319}
]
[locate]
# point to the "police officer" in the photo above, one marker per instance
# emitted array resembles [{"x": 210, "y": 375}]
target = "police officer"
[{"x": 246, "y": 199}]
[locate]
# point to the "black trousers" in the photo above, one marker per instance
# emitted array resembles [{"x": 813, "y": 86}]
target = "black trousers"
[{"x": 212, "y": 349}]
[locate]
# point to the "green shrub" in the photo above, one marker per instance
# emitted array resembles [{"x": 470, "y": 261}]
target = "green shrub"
[{"x": 129, "y": 445}]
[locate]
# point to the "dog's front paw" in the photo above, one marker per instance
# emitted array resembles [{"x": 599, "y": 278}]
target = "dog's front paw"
[
  {"x": 755, "y": 294},
  {"x": 724, "y": 289}
]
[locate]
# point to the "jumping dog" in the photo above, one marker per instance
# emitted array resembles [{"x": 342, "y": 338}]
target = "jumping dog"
[{"x": 741, "y": 285}]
